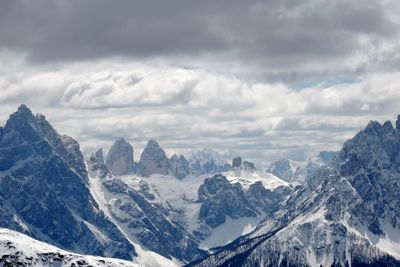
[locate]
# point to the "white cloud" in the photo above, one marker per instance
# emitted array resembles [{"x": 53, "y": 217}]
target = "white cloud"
[{"x": 185, "y": 108}]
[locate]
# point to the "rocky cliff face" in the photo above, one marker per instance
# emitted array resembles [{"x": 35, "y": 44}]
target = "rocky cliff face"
[
  {"x": 239, "y": 166},
  {"x": 44, "y": 190},
  {"x": 120, "y": 157},
  {"x": 220, "y": 199},
  {"x": 350, "y": 218},
  {"x": 153, "y": 160},
  {"x": 178, "y": 166},
  {"x": 132, "y": 210}
]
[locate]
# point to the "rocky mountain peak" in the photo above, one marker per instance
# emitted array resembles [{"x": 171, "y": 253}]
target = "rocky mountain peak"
[
  {"x": 21, "y": 119},
  {"x": 219, "y": 198},
  {"x": 23, "y": 110},
  {"x": 44, "y": 183},
  {"x": 153, "y": 160},
  {"x": 388, "y": 126},
  {"x": 240, "y": 165},
  {"x": 178, "y": 166},
  {"x": 174, "y": 157},
  {"x": 153, "y": 151},
  {"x": 236, "y": 162},
  {"x": 345, "y": 219},
  {"x": 120, "y": 157},
  {"x": 96, "y": 165},
  {"x": 248, "y": 166}
]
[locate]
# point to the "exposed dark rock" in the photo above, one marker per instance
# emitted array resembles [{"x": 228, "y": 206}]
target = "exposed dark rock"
[{"x": 120, "y": 158}]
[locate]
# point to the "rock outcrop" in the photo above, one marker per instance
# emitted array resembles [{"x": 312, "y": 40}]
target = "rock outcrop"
[
  {"x": 178, "y": 166},
  {"x": 153, "y": 160},
  {"x": 44, "y": 190},
  {"x": 120, "y": 158}
]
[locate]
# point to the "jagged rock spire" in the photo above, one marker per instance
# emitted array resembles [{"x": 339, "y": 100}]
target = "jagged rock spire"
[
  {"x": 120, "y": 157},
  {"x": 153, "y": 160},
  {"x": 178, "y": 166}
]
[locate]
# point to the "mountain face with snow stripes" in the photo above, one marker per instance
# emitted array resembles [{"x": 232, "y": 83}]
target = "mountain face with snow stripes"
[
  {"x": 175, "y": 223},
  {"x": 352, "y": 218},
  {"x": 336, "y": 209},
  {"x": 44, "y": 190},
  {"x": 17, "y": 249},
  {"x": 48, "y": 192}
]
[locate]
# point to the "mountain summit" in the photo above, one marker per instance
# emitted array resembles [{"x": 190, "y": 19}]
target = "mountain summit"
[
  {"x": 120, "y": 157},
  {"x": 350, "y": 218},
  {"x": 153, "y": 160},
  {"x": 44, "y": 190}
]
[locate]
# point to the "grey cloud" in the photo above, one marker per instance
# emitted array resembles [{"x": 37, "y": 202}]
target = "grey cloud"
[{"x": 278, "y": 39}]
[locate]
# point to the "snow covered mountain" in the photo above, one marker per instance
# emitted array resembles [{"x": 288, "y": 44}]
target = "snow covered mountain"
[
  {"x": 336, "y": 209},
  {"x": 127, "y": 201},
  {"x": 207, "y": 161},
  {"x": 17, "y": 249},
  {"x": 154, "y": 160},
  {"x": 351, "y": 218},
  {"x": 187, "y": 216},
  {"x": 44, "y": 190},
  {"x": 300, "y": 172},
  {"x": 48, "y": 192}
]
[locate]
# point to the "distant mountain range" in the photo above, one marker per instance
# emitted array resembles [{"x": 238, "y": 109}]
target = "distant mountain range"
[
  {"x": 154, "y": 160},
  {"x": 337, "y": 209}
]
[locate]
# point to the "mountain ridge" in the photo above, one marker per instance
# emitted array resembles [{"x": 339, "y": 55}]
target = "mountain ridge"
[
  {"x": 340, "y": 222},
  {"x": 336, "y": 209}
]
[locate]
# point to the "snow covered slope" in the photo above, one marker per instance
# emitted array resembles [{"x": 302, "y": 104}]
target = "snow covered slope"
[
  {"x": 178, "y": 218},
  {"x": 127, "y": 209},
  {"x": 44, "y": 190},
  {"x": 298, "y": 172},
  {"x": 17, "y": 249},
  {"x": 247, "y": 178},
  {"x": 351, "y": 218}
]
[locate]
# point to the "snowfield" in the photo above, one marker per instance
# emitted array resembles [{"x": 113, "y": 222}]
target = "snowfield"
[{"x": 17, "y": 249}]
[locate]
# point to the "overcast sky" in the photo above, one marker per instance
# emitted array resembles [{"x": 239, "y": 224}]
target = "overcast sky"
[{"x": 261, "y": 79}]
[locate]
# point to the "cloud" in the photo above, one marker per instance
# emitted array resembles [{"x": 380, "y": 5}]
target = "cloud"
[
  {"x": 286, "y": 41},
  {"x": 186, "y": 108},
  {"x": 262, "y": 79}
]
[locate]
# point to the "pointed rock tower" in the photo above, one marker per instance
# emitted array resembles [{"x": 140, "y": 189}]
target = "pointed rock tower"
[
  {"x": 120, "y": 157},
  {"x": 153, "y": 160}
]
